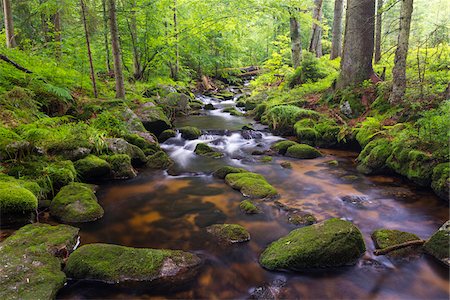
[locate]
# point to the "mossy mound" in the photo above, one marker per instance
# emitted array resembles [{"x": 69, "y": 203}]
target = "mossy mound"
[
  {"x": 209, "y": 106},
  {"x": 121, "y": 166},
  {"x": 17, "y": 203},
  {"x": 286, "y": 165},
  {"x": 281, "y": 147},
  {"x": 166, "y": 134},
  {"x": 248, "y": 207},
  {"x": 7, "y": 138},
  {"x": 232, "y": 111},
  {"x": 384, "y": 238},
  {"x": 251, "y": 185},
  {"x": 118, "y": 264},
  {"x": 92, "y": 168},
  {"x": 222, "y": 172},
  {"x": 76, "y": 203},
  {"x": 160, "y": 160},
  {"x": 306, "y": 135},
  {"x": 229, "y": 233},
  {"x": 190, "y": 133},
  {"x": 331, "y": 243},
  {"x": 281, "y": 119},
  {"x": 203, "y": 149},
  {"x": 146, "y": 141},
  {"x": 120, "y": 146},
  {"x": 302, "y": 220},
  {"x": 303, "y": 151},
  {"x": 438, "y": 244},
  {"x": 153, "y": 118},
  {"x": 31, "y": 268},
  {"x": 372, "y": 159},
  {"x": 440, "y": 181},
  {"x": 266, "y": 159}
]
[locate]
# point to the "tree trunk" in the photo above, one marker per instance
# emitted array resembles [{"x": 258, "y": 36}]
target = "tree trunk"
[
  {"x": 137, "y": 73},
  {"x": 336, "y": 43},
  {"x": 88, "y": 45},
  {"x": 399, "y": 70},
  {"x": 120, "y": 88},
  {"x": 58, "y": 38},
  {"x": 296, "y": 42},
  {"x": 356, "y": 63},
  {"x": 315, "y": 46},
  {"x": 177, "y": 50},
  {"x": 378, "y": 31},
  {"x": 9, "y": 25},
  {"x": 105, "y": 37}
]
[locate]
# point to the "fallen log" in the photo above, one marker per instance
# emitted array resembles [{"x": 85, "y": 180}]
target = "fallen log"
[
  {"x": 398, "y": 246},
  {"x": 16, "y": 65}
]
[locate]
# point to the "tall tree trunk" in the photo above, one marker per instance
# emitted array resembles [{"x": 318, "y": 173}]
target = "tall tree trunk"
[
  {"x": 88, "y": 45},
  {"x": 356, "y": 63},
  {"x": 9, "y": 25},
  {"x": 105, "y": 37},
  {"x": 120, "y": 87},
  {"x": 177, "y": 50},
  {"x": 336, "y": 43},
  {"x": 315, "y": 46},
  {"x": 399, "y": 70},
  {"x": 137, "y": 73},
  {"x": 378, "y": 29},
  {"x": 296, "y": 42},
  {"x": 58, "y": 38}
]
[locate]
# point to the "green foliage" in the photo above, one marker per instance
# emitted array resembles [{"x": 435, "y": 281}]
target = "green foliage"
[{"x": 311, "y": 70}]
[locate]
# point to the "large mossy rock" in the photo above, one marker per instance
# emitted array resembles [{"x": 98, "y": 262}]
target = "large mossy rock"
[
  {"x": 229, "y": 233},
  {"x": 118, "y": 264},
  {"x": 251, "y": 185},
  {"x": 303, "y": 151},
  {"x": 203, "y": 149},
  {"x": 121, "y": 166},
  {"x": 281, "y": 147},
  {"x": 167, "y": 134},
  {"x": 121, "y": 146},
  {"x": 159, "y": 161},
  {"x": 248, "y": 207},
  {"x": 331, "y": 243},
  {"x": 153, "y": 118},
  {"x": 384, "y": 238},
  {"x": 17, "y": 203},
  {"x": 222, "y": 172},
  {"x": 190, "y": 133},
  {"x": 76, "y": 203},
  {"x": 441, "y": 180},
  {"x": 438, "y": 244},
  {"x": 30, "y": 267},
  {"x": 372, "y": 159},
  {"x": 92, "y": 168}
]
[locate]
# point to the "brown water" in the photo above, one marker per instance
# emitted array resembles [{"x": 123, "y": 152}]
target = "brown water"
[{"x": 158, "y": 210}]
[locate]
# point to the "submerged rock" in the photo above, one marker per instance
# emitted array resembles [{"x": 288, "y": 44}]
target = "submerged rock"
[
  {"x": 92, "y": 168},
  {"x": 116, "y": 264},
  {"x": 222, "y": 172},
  {"x": 302, "y": 151},
  {"x": 384, "y": 238},
  {"x": 269, "y": 291},
  {"x": 251, "y": 185},
  {"x": 203, "y": 149},
  {"x": 17, "y": 203},
  {"x": 76, "y": 203},
  {"x": 31, "y": 261},
  {"x": 230, "y": 233},
  {"x": 286, "y": 165},
  {"x": 190, "y": 133},
  {"x": 438, "y": 244},
  {"x": 248, "y": 207},
  {"x": 330, "y": 243}
]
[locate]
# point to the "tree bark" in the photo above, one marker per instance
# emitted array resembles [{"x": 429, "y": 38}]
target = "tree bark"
[
  {"x": 336, "y": 43},
  {"x": 118, "y": 74},
  {"x": 88, "y": 45},
  {"x": 58, "y": 37},
  {"x": 137, "y": 72},
  {"x": 399, "y": 70},
  {"x": 105, "y": 37},
  {"x": 296, "y": 42},
  {"x": 9, "y": 25},
  {"x": 378, "y": 29},
  {"x": 315, "y": 46},
  {"x": 356, "y": 63}
]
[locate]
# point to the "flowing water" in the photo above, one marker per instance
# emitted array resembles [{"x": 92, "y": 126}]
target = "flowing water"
[{"x": 160, "y": 209}]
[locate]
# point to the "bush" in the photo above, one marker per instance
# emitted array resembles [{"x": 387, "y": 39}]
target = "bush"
[{"x": 310, "y": 70}]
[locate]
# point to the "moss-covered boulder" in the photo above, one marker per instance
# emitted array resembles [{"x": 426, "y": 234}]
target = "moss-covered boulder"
[
  {"x": 229, "y": 233},
  {"x": 222, "y": 172},
  {"x": 305, "y": 134},
  {"x": 302, "y": 219},
  {"x": 232, "y": 111},
  {"x": 372, "y": 159},
  {"x": 190, "y": 133},
  {"x": 166, "y": 134},
  {"x": 384, "y": 238},
  {"x": 121, "y": 166},
  {"x": 76, "y": 203},
  {"x": 17, "y": 203},
  {"x": 153, "y": 118},
  {"x": 160, "y": 161},
  {"x": 31, "y": 261},
  {"x": 145, "y": 140},
  {"x": 7, "y": 137},
  {"x": 120, "y": 146},
  {"x": 286, "y": 165},
  {"x": 438, "y": 244},
  {"x": 251, "y": 185},
  {"x": 92, "y": 168},
  {"x": 203, "y": 149},
  {"x": 331, "y": 243},
  {"x": 209, "y": 106},
  {"x": 440, "y": 181},
  {"x": 116, "y": 264},
  {"x": 303, "y": 151},
  {"x": 248, "y": 207},
  {"x": 281, "y": 147}
]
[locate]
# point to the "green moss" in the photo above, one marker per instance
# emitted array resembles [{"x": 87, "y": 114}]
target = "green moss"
[
  {"x": 303, "y": 152},
  {"x": 92, "y": 168},
  {"x": 331, "y": 243},
  {"x": 159, "y": 160},
  {"x": 248, "y": 207},
  {"x": 327, "y": 133},
  {"x": 16, "y": 200},
  {"x": 281, "y": 119},
  {"x": 251, "y": 184},
  {"x": 119, "y": 264},
  {"x": 203, "y": 149},
  {"x": 266, "y": 159},
  {"x": 75, "y": 203},
  {"x": 232, "y": 111},
  {"x": 222, "y": 172},
  {"x": 121, "y": 166},
  {"x": 372, "y": 158},
  {"x": 153, "y": 118},
  {"x": 438, "y": 244},
  {"x": 167, "y": 134},
  {"x": 441, "y": 180},
  {"x": 148, "y": 145},
  {"x": 281, "y": 147},
  {"x": 286, "y": 165},
  {"x": 190, "y": 133},
  {"x": 231, "y": 233},
  {"x": 306, "y": 219},
  {"x": 305, "y": 135},
  {"x": 7, "y": 137},
  {"x": 333, "y": 163},
  {"x": 60, "y": 173},
  {"x": 120, "y": 146},
  {"x": 384, "y": 238},
  {"x": 420, "y": 168},
  {"x": 370, "y": 129}
]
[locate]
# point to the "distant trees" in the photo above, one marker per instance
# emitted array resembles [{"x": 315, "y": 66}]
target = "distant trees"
[
  {"x": 88, "y": 46},
  {"x": 336, "y": 43},
  {"x": 315, "y": 45},
  {"x": 115, "y": 46},
  {"x": 9, "y": 25}
]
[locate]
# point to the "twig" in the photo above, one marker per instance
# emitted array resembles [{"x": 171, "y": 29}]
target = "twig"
[
  {"x": 16, "y": 65},
  {"x": 398, "y": 246}
]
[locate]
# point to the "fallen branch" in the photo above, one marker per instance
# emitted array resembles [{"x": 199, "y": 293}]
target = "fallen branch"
[
  {"x": 16, "y": 65},
  {"x": 398, "y": 246}
]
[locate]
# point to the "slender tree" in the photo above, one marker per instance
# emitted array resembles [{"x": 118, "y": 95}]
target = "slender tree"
[
  {"x": 399, "y": 70},
  {"x": 315, "y": 46},
  {"x": 9, "y": 25},
  {"x": 296, "y": 42},
  {"x": 105, "y": 37},
  {"x": 336, "y": 43},
  {"x": 57, "y": 34},
  {"x": 88, "y": 45},
  {"x": 356, "y": 63},
  {"x": 177, "y": 46},
  {"x": 118, "y": 74},
  {"x": 378, "y": 29},
  {"x": 137, "y": 72}
]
